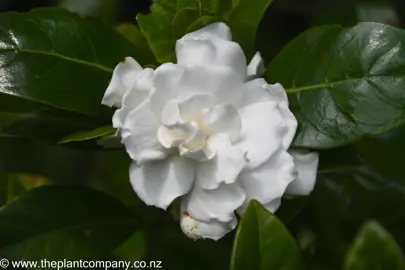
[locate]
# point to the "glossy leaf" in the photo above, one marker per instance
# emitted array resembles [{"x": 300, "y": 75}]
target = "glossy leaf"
[
  {"x": 343, "y": 84},
  {"x": 88, "y": 135},
  {"x": 244, "y": 20},
  {"x": 373, "y": 249},
  {"x": 53, "y": 216},
  {"x": 169, "y": 8},
  {"x": 55, "y": 67},
  {"x": 262, "y": 242},
  {"x": 133, "y": 34},
  {"x": 159, "y": 34},
  {"x": 183, "y": 19}
]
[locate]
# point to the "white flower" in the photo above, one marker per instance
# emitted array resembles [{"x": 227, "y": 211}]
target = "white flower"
[{"x": 209, "y": 129}]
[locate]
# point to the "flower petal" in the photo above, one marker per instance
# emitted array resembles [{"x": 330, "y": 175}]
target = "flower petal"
[
  {"x": 269, "y": 181},
  {"x": 176, "y": 82},
  {"x": 224, "y": 167},
  {"x": 139, "y": 134},
  {"x": 263, "y": 128},
  {"x": 211, "y": 45},
  {"x": 123, "y": 78},
  {"x": 256, "y": 65},
  {"x": 216, "y": 204},
  {"x": 214, "y": 230},
  {"x": 306, "y": 165},
  {"x": 258, "y": 90},
  {"x": 278, "y": 94},
  {"x": 223, "y": 118},
  {"x": 134, "y": 97},
  {"x": 273, "y": 205},
  {"x": 158, "y": 183}
]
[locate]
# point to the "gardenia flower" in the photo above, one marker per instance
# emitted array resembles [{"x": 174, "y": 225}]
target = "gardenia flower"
[{"x": 209, "y": 130}]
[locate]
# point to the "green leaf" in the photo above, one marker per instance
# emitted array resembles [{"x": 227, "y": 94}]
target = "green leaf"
[
  {"x": 244, "y": 20},
  {"x": 133, "y": 249},
  {"x": 55, "y": 67},
  {"x": 262, "y": 242},
  {"x": 385, "y": 153},
  {"x": 374, "y": 248},
  {"x": 68, "y": 217},
  {"x": 343, "y": 83},
  {"x": 183, "y": 19},
  {"x": 88, "y": 135},
  {"x": 159, "y": 34},
  {"x": 169, "y": 8},
  {"x": 133, "y": 34}
]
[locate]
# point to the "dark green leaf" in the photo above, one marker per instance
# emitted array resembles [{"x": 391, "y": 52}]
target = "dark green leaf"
[
  {"x": 134, "y": 248},
  {"x": 169, "y": 8},
  {"x": 48, "y": 218},
  {"x": 159, "y": 34},
  {"x": 88, "y": 135},
  {"x": 55, "y": 67},
  {"x": 133, "y": 34},
  {"x": 343, "y": 84},
  {"x": 262, "y": 242},
  {"x": 374, "y": 249},
  {"x": 385, "y": 153},
  {"x": 183, "y": 19},
  {"x": 244, "y": 20}
]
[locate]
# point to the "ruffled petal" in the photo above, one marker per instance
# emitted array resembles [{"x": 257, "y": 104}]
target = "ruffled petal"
[
  {"x": 139, "y": 134},
  {"x": 158, "y": 183},
  {"x": 134, "y": 97},
  {"x": 211, "y": 45},
  {"x": 123, "y": 78},
  {"x": 256, "y": 65},
  {"x": 258, "y": 90},
  {"x": 306, "y": 165},
  {"x": 278, "y": 94},
  {"x": 224, "y": 167},
  {"x": 177, "y": 82},
  {"x": 269, "y": 181},
  {"x": 223, "y": 118},
  {"x": 263, "y": 129},
  {"x": 216, "y": 204},
  {"x": 214, "y": 230}
]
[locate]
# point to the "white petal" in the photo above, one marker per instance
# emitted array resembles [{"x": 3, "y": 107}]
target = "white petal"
[
  {"x": 224, "y": 167},
  {"x": 134, "y": 97},
  {"x": 214, "y": 230},
  {"x": 278, "y": 93},
  {"x": 176, "y": 82},
  {"x": 166, "y": 83},
  {"x": 211, "y": 45},
  {"x": 256, "y": 65},
  {"x": 158, "y": 183},
  {"x": 273, "y": 205},
  {"x": 263, "y": 129},
  {"x": 192, "y": 107},
  {"x": 269, "y": 181},
  {"x": 223, "y": 118},
  {"x": 123, "y": 78},
  {"x": 306, "y": 165},
  {"x": 258, "y": 90},
  {"x": 139, "y": 134},
  {"x": 215, "y": 30},
  {"x": 216, "y": 204}
]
